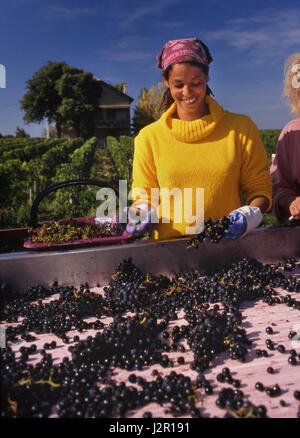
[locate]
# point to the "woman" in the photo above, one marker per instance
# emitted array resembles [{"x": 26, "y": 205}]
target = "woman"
[
  {"x": 285, "y": 169},
  {"x": 196, "y": 144}
]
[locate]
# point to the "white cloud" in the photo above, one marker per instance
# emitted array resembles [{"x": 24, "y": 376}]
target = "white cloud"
[
  {"x": 151, "y": 8},
  {"x": 57, "y": 12},
  {"x": 170, "y": 24},
  {"x": 125, "y": 55},
  {"x": 127, "y": 49},
  {"x": 266, "y": 35}
]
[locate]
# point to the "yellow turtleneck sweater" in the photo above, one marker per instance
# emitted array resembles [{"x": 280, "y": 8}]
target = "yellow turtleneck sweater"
[{"x": 221, "y": 153}]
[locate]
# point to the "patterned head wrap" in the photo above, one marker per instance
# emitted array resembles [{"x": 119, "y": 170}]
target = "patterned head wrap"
[{"x": 189, "y": 49}]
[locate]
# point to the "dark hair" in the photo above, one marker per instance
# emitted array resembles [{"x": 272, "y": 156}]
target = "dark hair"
[{"x": 167, "y": 98}]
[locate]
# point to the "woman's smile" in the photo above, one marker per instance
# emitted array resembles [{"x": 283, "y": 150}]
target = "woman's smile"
[{"x": 189, "y": 101}]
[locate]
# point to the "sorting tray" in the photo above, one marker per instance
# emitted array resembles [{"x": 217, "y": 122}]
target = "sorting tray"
[{"x": 99, "y": 241}]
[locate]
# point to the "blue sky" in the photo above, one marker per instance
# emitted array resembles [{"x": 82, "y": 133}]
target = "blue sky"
[{"x": 118, "y": 40}]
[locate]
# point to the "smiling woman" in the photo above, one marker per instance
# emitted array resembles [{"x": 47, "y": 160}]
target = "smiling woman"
[{"x": 197, "y": 145}]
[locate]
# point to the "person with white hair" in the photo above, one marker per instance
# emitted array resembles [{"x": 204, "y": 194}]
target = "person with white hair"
[{"x": 285, "y": 169}]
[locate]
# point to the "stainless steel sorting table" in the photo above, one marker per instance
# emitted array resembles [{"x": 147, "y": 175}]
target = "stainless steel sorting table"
[{"x": 97, "y": 264}]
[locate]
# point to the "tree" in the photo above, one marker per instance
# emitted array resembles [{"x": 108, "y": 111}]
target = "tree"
[
  {"x": 42, "y": 99},
  {"x": 147, "y": 108},
  {"x": 64, "y": 95},
  {"x": 80, "y": 96},
  {"x": 119, "y": 86},
  {"x": 20, "y": 132}
]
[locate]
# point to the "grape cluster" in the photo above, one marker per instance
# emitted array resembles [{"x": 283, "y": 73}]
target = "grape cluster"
[
  {"x": 58, "y": 316},
  {"x": 211, "y": 332},
  {"x": 213, "y": 232},
  {"x": 132, "y": 334},
  {"x": 288, "y": 263},
  {"x": 236, "y": 407}
]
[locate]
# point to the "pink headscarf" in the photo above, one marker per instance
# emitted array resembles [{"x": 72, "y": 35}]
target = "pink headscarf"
[{"x": 189, "y": 49}]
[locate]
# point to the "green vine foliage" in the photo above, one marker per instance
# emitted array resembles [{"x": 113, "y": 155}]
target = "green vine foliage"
[
  {"x": 56, "y": 156},
  {"x": 270, "y": 138},
  {"x": 14, "y": 187},
  {"x": 8, "y": 144},
  {"x": 77, "y": 201},
  {"x": 14, "y": 177},
  {"x": 121, "y": 152},
  {"x": 36, "y": 164},
  {"x": 29, "y": 149}
]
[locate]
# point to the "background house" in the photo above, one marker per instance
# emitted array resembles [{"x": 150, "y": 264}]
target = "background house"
[{"x": 113, "y": 118}]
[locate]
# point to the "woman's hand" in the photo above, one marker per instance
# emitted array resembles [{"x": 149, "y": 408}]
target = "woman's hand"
[
  {"x": 294, "y": 208},
  {"x": 237, "y": 227},
  {"x": 242, "y": 221},
  {"x": 141, "y": 219},
  {"x": 285, "y": 203}
]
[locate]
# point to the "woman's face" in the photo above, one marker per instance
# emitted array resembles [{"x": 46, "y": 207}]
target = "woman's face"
[{"x": 187, "y": 85}]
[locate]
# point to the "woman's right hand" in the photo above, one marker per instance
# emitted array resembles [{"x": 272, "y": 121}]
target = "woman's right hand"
[{"x": 141, "y": 219}]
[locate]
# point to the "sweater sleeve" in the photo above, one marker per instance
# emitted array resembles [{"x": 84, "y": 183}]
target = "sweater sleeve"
[
  {"x": 282, "y": 172},
  {"x": 255, "y": 177},
  {"x": 144, "y": 173}
]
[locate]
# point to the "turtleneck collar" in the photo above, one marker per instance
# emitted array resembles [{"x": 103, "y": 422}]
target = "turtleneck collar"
[{"x": 195, "y": 130}]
